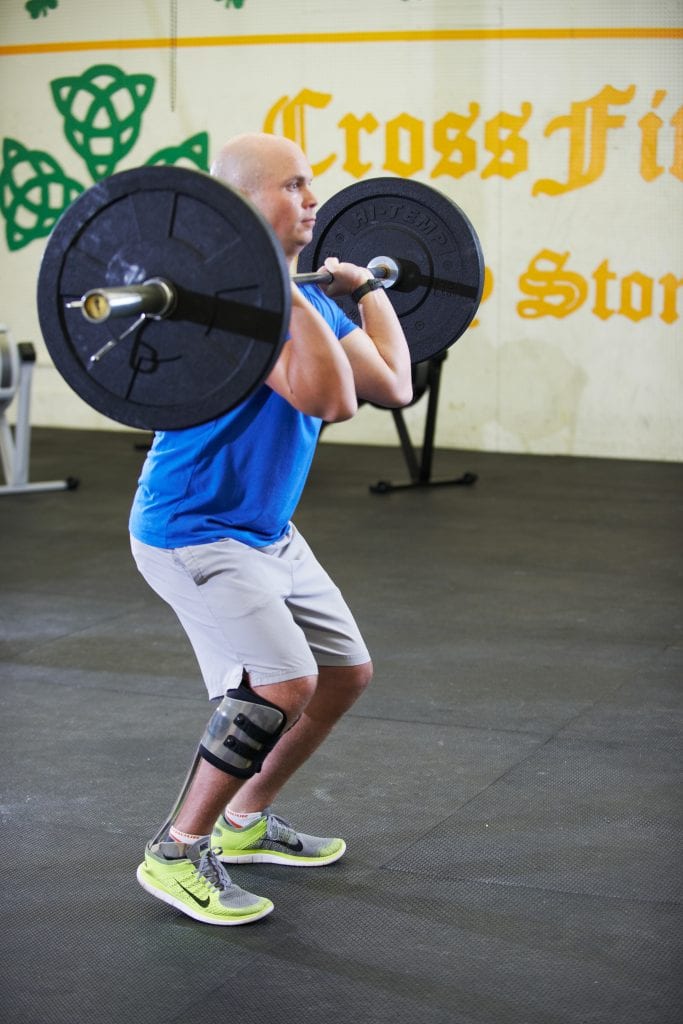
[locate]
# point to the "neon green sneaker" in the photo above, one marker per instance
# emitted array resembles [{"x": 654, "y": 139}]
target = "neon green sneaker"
[
  {"x": 191, "y": 879},
  {"x": 271, "y": 840}
]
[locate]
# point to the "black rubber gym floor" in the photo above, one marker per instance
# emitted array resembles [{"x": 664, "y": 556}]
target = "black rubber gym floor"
[{"x": 508, "y": 787}]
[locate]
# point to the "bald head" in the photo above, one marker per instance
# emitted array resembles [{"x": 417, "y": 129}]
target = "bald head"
[
  {"x": 275, "y": 175},
  {"x": 246, "y": 161}
]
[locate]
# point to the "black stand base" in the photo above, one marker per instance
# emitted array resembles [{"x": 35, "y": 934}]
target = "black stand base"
[
  {"x": 426, "y": 377},
  {"x": 385, "y": 486}
]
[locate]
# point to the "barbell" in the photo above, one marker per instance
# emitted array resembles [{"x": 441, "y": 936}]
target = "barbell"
[
  {"x": 157, "y": 298},
  {"x": 196, "y": 278}
]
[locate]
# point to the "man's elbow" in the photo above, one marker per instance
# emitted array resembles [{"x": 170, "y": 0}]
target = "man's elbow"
[
  {"x": 398, "y": 395},
  {"x": 404, "y": 395},
  {"x": 338, "y": 411}
]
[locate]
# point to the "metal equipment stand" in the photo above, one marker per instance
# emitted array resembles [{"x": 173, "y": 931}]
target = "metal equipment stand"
[
  {"x": 16, "y": 369},
  {"x": 426, "y": 378}
]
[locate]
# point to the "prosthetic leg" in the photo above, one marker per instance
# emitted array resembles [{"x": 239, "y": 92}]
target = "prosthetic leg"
[{"x": 241, "y": 731}]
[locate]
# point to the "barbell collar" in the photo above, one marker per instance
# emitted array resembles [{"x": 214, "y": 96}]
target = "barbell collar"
[
  {"x": 155, "y": 298},
  {"x": 386, "y": 269}
]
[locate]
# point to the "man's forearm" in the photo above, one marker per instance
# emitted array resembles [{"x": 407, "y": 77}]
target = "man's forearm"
[{"x": 380, "y": 323}]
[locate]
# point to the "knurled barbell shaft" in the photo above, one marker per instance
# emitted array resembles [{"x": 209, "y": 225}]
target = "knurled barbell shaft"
[
  {"x": 156, "y": 298},
  {"x": 383, "y": 267}
]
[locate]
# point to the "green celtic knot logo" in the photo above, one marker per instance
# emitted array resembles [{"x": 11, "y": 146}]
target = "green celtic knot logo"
[
  {"x": 102, "y": 112},
  {"x": 33, "y": 193}
]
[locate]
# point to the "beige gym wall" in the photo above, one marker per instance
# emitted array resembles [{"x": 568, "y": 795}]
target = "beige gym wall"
[{"x": 558, "y": 129}]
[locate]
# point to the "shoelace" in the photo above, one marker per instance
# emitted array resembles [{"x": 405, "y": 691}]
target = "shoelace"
[
  {"x": 212, "y": 871},
  {"x": 279, "y": 830}
]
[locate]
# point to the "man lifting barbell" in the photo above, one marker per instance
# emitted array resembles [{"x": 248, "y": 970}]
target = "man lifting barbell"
[
  {"x": 235, "y": 365},
  {"x": 211, "y": 533}
]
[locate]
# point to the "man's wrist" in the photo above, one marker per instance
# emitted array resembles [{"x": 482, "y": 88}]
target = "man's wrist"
[{"x": 368, "y": 286}]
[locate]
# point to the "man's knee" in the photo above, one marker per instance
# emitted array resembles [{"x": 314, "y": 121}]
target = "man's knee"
[
  {"x": 360, "y": 677},
  {"x": 292, "y": 695},
  {"x": 339, "y": 687},
  {"x": 241, "y": 731}
]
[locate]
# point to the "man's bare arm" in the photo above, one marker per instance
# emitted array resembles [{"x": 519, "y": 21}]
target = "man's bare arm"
[{"x": 313, "y": 372}]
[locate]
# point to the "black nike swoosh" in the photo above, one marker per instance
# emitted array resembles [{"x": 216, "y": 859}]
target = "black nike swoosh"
[
  {"x": 202, "y": 903},
  {"x": 296, "y": 847}
]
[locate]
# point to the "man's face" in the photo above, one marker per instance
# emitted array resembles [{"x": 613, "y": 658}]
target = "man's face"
[{"x": 285, "y": 199}]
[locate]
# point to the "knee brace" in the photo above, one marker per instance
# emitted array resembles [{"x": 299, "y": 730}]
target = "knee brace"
[{"x": 242, "y": 730}]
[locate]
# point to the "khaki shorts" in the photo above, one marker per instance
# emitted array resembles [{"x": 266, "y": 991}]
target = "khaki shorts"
[{"x": 273, "y": 611}]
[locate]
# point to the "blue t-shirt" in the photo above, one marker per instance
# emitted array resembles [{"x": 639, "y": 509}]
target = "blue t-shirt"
[{"x": 240, "y": 475}]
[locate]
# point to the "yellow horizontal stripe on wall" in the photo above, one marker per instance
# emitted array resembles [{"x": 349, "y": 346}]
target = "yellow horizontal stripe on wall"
[{"x": 286, "y": 39}]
